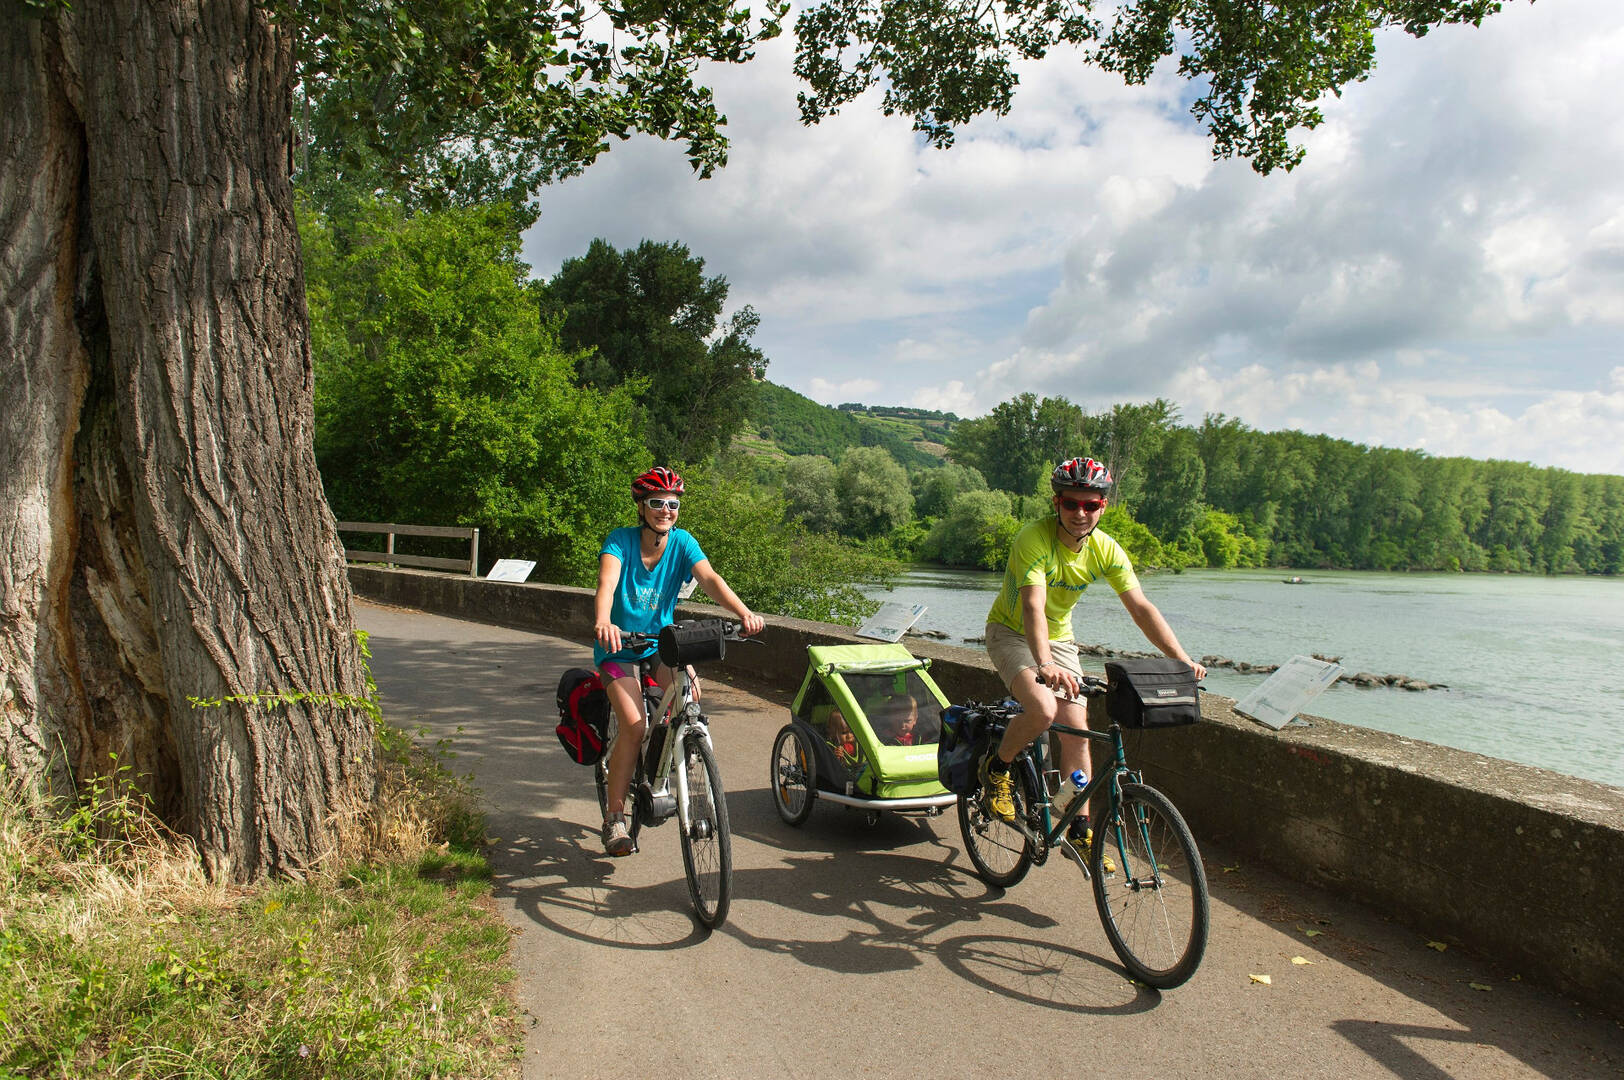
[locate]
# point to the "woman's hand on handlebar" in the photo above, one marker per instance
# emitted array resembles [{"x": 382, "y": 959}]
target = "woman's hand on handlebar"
[
  {"x": 750, "y": 623},
  {"x": 608, "y": 635}
]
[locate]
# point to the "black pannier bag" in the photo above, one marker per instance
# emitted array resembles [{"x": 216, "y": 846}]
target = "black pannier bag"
[
  {"x": 583, "y": 716},
  {"x": 1151, "y": 693},
  {"x": 960, "y": 748},
  {"x": 693, "y": 641}
]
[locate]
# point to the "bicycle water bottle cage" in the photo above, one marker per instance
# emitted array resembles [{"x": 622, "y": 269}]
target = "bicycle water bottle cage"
[{"x": 693, "y": 641}]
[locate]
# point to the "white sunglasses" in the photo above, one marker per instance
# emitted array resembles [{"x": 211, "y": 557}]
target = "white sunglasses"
[{"x": 663, "y": 504}]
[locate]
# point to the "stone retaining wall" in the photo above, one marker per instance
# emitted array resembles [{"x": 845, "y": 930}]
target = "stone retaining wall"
[{"x": 1521, "y": 865}]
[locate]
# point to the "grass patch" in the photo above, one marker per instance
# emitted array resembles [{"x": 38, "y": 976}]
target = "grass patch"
[{"x": 119, "y": 959}]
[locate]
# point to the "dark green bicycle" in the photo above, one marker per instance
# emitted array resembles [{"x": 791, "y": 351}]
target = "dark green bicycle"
[{"x": 1149, "y": 884}]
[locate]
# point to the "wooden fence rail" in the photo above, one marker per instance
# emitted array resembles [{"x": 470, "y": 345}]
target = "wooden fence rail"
[{"x": 470, "y": 565}]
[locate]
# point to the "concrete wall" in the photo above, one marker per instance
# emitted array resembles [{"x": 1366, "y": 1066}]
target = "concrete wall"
[{"x": 1521, "y": 865}]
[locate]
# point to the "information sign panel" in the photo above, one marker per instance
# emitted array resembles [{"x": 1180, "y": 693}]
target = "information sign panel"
[
  {"x": 891, "y": 621},
  {"x": 1283, "y": 694},
  {"x": 511, "y": 570}
]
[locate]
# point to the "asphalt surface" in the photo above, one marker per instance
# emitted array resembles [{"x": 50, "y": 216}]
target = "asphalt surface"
[{"x": 858, "y": 950}]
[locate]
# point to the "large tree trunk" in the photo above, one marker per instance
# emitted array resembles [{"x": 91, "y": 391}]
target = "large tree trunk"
[{"x": 163, "y": 533}]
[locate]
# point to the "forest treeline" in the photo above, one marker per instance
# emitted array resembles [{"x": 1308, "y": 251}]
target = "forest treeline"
[{"x": 454, "y": 389}]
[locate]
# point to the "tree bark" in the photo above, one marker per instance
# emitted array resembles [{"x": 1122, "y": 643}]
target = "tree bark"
[{"x": 163, "y": 532}]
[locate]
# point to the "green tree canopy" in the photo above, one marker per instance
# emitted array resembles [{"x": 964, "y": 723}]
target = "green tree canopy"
[
  {"x": 1260, "y": 69},
  {"x": 457, "y": 103},
  {"x": 775, "y": 564},
  {"x": 809, "y": 493},
  {"x": 976, "y": 531},
  {"x": 441, "y": 397},
  {"x": 651, "y": 317},
  {"x": 873, "y": 492},
  {"x": 1016, "y": 444},
  {"x": 935, "y": 489}
]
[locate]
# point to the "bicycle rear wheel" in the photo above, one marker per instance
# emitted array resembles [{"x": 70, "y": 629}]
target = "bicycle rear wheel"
[
  {"x": 707, "y": 842},
  {"x": 1154, "y": 905},
  {"x": 1000, "y": 852}
]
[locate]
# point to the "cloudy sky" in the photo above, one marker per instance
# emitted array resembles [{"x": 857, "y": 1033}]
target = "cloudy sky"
[{"x": 1445, "y": 271}]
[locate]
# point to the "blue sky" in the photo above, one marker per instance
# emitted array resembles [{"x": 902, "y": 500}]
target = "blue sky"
[{"x": 1445, "y": 271}]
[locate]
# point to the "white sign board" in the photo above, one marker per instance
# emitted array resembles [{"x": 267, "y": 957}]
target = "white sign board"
[
  {"x": 511, "y": 570},
  {"x": 891, "y": 621},
  {"x": 687, "y": 589},
  {"x": 1283, "y": 694}
]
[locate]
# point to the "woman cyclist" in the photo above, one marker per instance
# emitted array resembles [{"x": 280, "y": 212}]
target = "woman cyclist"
[{"x": 640, "y": 570}]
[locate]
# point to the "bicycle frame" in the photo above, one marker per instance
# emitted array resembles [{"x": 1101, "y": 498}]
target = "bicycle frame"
[
  {"x": 1037, "y": 759},
  {"x": 689, "y": 719}
]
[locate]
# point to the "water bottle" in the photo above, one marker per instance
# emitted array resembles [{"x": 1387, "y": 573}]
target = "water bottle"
[{"x": 1070, "y": 788}]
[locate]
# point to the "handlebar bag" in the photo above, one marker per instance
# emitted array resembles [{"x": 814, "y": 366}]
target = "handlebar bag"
[
  {"x": 583, "y": 716},
  {"x": 693, "y": 641},
  {"x": 1151, "y": 693}
]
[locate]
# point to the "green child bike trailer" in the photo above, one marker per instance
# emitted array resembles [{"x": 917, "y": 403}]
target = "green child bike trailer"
[
  {"x": 863, "y": 733},
  {"x": 583, "y": 716},
  {"x": 1155, "y": 692}
]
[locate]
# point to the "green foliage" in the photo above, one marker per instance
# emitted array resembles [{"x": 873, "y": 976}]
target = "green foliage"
[
  {"x": 459, "y": 103},
  {"x": 873, "y": 492},
  {"x": 809, "y": 493},
  {"x": 1015, "y": 446},
  {"x": 649, "y": 319},
  {"x": 773, "y": 563},
  {"x": 934, "y": 491},
  {"x": 800, "y": 425},
  {"x": 1260, "y": 69},
  {"x": 977, "y": 531},
  {"x": 441, "y": 397}
]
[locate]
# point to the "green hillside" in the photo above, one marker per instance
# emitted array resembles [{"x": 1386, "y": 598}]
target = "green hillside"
[{"x": 794, "y": 424}]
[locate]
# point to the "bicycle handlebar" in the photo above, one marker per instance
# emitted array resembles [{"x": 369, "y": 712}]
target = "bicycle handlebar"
[{"x": 731, "y": 631}]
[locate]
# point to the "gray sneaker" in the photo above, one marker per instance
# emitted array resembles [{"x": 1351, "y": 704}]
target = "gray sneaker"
[{"x": 617, "y": 840}]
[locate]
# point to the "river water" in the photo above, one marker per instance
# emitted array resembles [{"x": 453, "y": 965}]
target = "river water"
[{"x": 1534, "y": 665}]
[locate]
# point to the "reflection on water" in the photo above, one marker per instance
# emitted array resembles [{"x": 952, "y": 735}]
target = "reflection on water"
[{"x": 1530, "y": 662}]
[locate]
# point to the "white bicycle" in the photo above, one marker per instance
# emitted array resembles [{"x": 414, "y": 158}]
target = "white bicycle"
[{"x": 676, "y": 773}]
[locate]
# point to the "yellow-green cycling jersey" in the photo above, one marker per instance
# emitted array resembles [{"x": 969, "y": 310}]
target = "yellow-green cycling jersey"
[{"x": 1038, "y": 557}]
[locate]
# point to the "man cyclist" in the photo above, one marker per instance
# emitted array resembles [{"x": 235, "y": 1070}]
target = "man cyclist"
[
  {"x": 640, "y": 570},
  {"x": 1029, "y": 636}
]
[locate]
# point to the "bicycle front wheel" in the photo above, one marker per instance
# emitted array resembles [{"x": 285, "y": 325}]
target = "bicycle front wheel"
[
  {"x": 707, "y": 843},
  {"x": 1000, "y": 852},
  {"x": 1154, "y": 903}
]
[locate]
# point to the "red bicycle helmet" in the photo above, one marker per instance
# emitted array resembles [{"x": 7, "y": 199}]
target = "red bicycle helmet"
[
  {"x": 657, "y": 480},
  {"x": 1080, "y": 473}
]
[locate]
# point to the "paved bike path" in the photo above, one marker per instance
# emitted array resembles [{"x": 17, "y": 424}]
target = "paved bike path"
[{"x": 874, "y": 951}]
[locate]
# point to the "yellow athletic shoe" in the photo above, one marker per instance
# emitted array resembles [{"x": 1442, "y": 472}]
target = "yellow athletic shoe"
[
  {"x": 998, "y": 790},
  {"x": 1083, "y": 836}
]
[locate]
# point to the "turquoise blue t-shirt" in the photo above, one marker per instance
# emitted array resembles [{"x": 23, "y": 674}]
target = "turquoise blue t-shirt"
[{"x": 646, "y": 600}]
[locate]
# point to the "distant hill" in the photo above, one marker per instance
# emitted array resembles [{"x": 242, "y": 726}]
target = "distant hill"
[{"x": 794, "y": 424}]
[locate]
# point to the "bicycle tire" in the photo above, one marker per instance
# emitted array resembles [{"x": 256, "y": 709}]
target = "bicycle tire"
[
  {"x": 1000, "y": 853},
  {"x": 1156, "y": 922},
  {"x": 793, "y": 779},
  {"x": 707, "y": 842}
]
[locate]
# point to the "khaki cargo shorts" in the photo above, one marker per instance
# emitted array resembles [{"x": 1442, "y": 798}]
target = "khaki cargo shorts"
[{"x": 1011, "y": 655}]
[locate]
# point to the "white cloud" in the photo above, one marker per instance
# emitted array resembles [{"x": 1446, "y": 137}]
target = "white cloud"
[{"x": 1446, "y": 270}]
